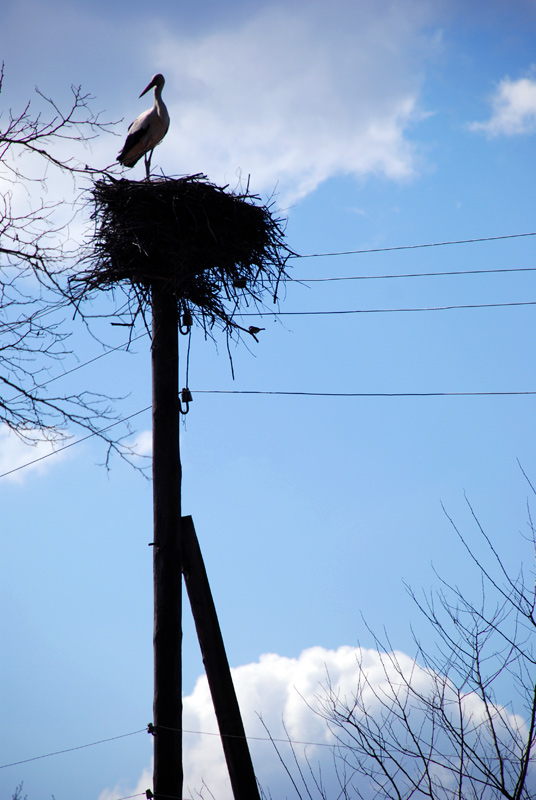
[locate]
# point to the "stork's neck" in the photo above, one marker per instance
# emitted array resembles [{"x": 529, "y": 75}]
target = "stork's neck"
[
  {"x": 159, "y": 103},
  {"x": 160, "y": 106}
]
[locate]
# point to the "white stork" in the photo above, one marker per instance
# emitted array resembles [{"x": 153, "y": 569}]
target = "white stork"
[{"x": 147, "y": 130}]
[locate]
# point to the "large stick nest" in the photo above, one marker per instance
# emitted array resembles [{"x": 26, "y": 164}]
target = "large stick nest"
[{"x": 216, "y": 250}]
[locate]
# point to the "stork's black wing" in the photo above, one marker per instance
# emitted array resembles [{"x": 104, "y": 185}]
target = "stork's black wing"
[{"x": 136, "y": 132}]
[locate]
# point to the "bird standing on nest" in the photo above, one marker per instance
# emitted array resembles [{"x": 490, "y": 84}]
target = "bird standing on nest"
[{"x": 147, "y": 130}]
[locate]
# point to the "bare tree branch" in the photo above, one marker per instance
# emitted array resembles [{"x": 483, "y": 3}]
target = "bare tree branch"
[
  {"x": 35, "y": 258},
  {"x": 433, "y": 726}
]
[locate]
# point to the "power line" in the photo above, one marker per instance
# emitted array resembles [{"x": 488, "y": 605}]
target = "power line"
[
  {"x": 140, "y": 794},
  {"x": 84, "y": 364},
  {"x": 66, "y": 303},
  {"x": 412, "y": 246},
  {"x": 384, "y": 310},
  {"x": 362, "y": 394},
  {"x": 144, "y": 730},
  {"x": 261, "y": 738},
  {"x": 92, "y": 360},
  {"x": 72, "y": 749},
  {"x": 412, "y": 275},
  {"x": 72, "y": 444},
  {"x": 282, "y": 394},
  {"x": 345, "y": 278},
  {"x": 349, "y": 311},
  {"x": 336, "y": 312}
]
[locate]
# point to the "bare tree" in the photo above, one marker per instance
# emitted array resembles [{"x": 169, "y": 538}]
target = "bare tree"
[
  {"x": 35, "y": 257},
  {"x": 435, "y": 726}
]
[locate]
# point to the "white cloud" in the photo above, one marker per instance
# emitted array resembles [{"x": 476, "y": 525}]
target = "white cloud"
[
  {"x": 120, "y": 790},
  {"x": 513, "y": 109},
  {"x": 296, "y": 94},
  {"x": 142, "y": 444},
  {"x": 292, "y": 93},
  {"x": 32, "y": 456},
  {"x": 277, "y": 688}
]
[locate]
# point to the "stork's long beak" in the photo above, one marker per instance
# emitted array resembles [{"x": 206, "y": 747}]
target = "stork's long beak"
[{"x": 150, "y": 86}]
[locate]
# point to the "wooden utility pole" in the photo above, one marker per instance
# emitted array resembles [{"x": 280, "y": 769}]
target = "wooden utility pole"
[
  {"x": 167, "y": 563},
  {"x": 176, "y": 551}
]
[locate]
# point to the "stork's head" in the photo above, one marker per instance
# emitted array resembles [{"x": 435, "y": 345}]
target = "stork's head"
[{"x": 157, "y": 81}]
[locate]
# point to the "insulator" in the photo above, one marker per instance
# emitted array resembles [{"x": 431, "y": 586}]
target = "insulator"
[{"x": 187, "y": 320}]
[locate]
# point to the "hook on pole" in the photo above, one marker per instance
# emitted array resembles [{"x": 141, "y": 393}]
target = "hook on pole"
[{"x": 186, "y": 398}]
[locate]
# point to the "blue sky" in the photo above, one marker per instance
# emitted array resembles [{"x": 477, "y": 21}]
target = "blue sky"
[{"x": 377, "y": 125}]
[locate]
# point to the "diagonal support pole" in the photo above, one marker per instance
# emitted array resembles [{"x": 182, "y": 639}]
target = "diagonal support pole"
[{"x": 235, "y": 746}]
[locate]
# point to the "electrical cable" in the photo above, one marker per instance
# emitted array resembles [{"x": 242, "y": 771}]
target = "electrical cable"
[
  {"x": 336, "y": 312},
  {"x": 144, "y": 730},
  {"x": 264, "y": 739},
  {"x": 363, "y": 394},
  {"x": 72, "y": 749},
  {"x": 412, "y": 246},
  {"x": 383, "y": 310},
  {"x": 283, "y": 394},
  {"x": 66, "y": 303},
  {"x": 130, "y": 796},
  {"x": 84, "y": 364},
  {"x": 412, "y": 275},
  {"x": 92, "y": 360},
  {"x": 346, "y": 278},
  {"x": 319, "y": 313},
  {"x": 72, "y": 444},
  {"x": 326, "y": 313}
]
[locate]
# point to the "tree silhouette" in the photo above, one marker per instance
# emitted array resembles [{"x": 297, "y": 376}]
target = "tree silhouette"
[
  {"x": 36, "y": 256},
  {"x": 435, "y": 726}
]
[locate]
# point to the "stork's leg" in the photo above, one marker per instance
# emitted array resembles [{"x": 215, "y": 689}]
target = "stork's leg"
[{"x": 148, "y": 157}]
